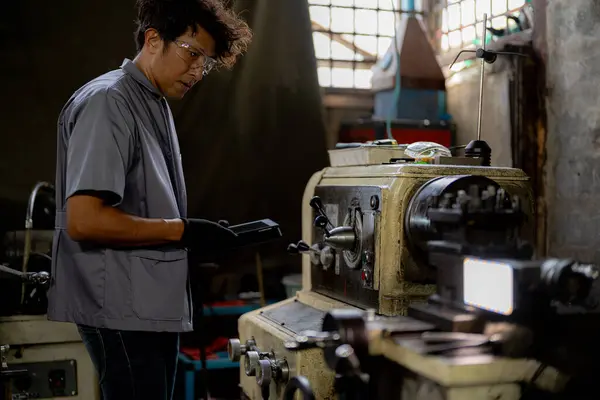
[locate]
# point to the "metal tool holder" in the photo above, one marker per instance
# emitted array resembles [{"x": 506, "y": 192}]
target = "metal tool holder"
[{"x": 479, "y": 148}]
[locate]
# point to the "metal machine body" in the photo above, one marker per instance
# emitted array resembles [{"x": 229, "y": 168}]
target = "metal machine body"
[
  {"x": 53, "y": 359},
  {"x": 383, "y": 270},
  {"x": 542, "y": 346},
  {"x": 356, "y": 255},
  {"x": 403, "y": 358},
  {"x": 40, "y": 359},
  {"x": 501, "y": 325}
]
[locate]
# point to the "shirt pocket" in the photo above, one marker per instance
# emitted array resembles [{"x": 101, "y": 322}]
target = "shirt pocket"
[{"x": 158, "y": 284}]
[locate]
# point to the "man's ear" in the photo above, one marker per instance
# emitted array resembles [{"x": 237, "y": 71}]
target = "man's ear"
[{"x": 152, "y": 41}]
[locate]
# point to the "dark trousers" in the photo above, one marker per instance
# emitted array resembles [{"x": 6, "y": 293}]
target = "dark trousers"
[{"x": 133, "y": 365}]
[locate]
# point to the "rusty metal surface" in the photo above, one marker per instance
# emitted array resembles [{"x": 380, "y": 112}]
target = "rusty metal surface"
[
  {"x": 400, "y": 278},
  {"x": 271, "y": 336},
  {"x": 296, "y": 317}
]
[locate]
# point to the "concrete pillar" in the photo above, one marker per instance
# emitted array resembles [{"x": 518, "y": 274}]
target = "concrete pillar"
[{"x": 572, "y": 170}]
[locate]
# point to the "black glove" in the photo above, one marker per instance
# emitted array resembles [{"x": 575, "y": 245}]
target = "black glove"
[{"x": 205, "y": 235}]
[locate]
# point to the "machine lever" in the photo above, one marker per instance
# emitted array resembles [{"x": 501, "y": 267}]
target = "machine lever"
[
  {"x": 322, "y": 222},
  {"x": 38, "y": 278},
  {"x": 312, "y": 339},
  {"x": 302, "y": 247},
  {"x": 317, "y": 205}
]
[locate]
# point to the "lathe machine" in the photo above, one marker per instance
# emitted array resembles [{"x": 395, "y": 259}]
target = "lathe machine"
[
  {"x": 364, "y": 229},
  {"x": 500, "y": 325},
  {"x": 40, "y": 359}
]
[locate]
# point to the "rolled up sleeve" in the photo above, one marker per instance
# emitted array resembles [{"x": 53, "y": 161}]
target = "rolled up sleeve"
[{"x": 100, "y": 148}]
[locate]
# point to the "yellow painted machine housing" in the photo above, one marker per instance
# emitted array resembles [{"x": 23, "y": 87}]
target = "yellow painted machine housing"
[{"x": 395, "y": 267}]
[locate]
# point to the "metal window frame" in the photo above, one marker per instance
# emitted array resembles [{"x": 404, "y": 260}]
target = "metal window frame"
[
  {"x": 439, "y": 33},
  {"x": 335, "y": 36}
]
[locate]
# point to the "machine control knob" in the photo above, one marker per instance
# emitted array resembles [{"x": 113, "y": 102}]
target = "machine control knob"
[
  {"x": 327, "y": 257},
  {"x": 251, "y": 362},
  {"x": 264, "y": 372},
  {"x": 3, "y": 356},
  {"x": 303, "y": 246},
  {"x": 322, "y": 222},
  {"x": 316, "y": 254},
  {"x": 282, "y": 371},
  {"x": 369, "y": 258},
  {"x": 292, "y": 249},
  {"x": 316, "y": 203},
  {"x": 313, "y": 251},
  {"x": 269, "y": 369},
  {"x": 366, "y": 275},
  {"x": 235, "y": 350}
]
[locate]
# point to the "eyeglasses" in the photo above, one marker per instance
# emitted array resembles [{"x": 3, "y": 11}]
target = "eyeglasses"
[{"x": 195, "y": 57}]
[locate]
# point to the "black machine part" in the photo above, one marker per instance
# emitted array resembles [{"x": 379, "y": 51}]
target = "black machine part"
[
  {"x": 539, "y": 288},
  {"x": 465, "y": 214},
  {"x": 255, "y": 232},
  {"x": 479, "y": 149},
  {"x": 572, "y": 351}
]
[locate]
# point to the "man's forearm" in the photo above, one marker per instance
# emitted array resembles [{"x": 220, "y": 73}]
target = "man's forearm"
[{"x": 111, "y": 226}]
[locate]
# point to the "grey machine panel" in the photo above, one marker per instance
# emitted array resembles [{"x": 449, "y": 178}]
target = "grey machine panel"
[
  {"x": 46, "y": 380},
  {"x": 296, "y": 317},
  {"x": 350, "y": 277}
]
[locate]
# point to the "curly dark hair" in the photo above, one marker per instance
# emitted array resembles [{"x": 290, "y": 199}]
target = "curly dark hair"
[{"x": 172, "y": 18}]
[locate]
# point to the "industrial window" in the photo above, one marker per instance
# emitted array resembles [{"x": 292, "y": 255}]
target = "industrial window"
[
  {"x": 349, "y": 36},
  {"x": 462, "y": 20}
]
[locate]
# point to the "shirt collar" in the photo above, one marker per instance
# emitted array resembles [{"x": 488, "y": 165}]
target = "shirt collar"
[{"x": 130, "y": 68}]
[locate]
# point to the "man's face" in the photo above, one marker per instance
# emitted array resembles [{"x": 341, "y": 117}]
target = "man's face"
[{"x": 179, "y": 65}]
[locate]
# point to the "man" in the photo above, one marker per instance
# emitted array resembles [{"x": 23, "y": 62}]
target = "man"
[{"x": 120, "y": 269}]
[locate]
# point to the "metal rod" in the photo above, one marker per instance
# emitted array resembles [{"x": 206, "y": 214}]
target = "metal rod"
[
  {"x": 481, "y": 76},
  {"x": 29, "y": 226},
  {"x": 260, "y": 278}
]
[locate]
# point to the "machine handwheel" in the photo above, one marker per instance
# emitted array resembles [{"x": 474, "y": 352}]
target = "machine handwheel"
[
  {"x": 251, "y": 363},
  {"x": 264, "y": 373}
]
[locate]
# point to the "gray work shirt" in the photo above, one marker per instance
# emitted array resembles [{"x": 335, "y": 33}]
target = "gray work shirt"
[{"x": 116, "y": 135}]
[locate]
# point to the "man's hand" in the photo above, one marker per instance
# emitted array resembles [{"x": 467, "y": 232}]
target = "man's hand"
[{"x": 204, "y": 235}]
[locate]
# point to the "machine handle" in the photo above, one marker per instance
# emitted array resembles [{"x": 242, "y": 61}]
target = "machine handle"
[
  {"x": 317, "y": 205},
  {"x": 38, "y": 278},
  {"x": 302, "y": 247},
  {"x": 313, "y": 339},
  {"x": 300, "y": 383},
  {"x": 322, "y": 222}
]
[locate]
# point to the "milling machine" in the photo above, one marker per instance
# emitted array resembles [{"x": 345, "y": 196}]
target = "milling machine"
[{"x": 41, "y": 359}]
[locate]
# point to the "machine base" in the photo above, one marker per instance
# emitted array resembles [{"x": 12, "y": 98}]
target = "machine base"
[
  {"x": 274, "y": 325},
  {"x": 57, "y": 363},
  {"x": 462, "y": 375}
]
